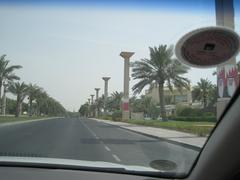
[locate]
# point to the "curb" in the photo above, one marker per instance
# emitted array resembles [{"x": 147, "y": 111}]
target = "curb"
[{"x": 195, "y": 148}]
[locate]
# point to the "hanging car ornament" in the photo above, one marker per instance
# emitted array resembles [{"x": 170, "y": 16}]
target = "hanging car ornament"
[{"x": 208, "y": 47}]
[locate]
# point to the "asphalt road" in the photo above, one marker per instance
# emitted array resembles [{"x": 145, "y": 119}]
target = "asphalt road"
[{"x": 85, "y": 139}]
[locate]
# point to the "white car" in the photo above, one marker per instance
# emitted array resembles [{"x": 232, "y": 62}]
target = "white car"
[{"x": 147, "y": 118}]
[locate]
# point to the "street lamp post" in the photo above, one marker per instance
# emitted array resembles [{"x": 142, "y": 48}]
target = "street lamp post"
[
  {"x": 125, "y": 101},
  {"x": 106, "y": 79},
  {"x": 97, "y": 93}
]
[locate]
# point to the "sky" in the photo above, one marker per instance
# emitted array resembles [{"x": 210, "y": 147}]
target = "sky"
[{"x": 67, "y": 48}]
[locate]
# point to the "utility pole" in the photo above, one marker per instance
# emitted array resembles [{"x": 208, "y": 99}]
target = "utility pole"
[
  {"x": 106, "y": 79},
  {"x": 125, "y": 101}
]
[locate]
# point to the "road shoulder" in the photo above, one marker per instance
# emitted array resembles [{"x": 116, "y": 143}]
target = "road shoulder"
[{"x": 165, "y": 134}]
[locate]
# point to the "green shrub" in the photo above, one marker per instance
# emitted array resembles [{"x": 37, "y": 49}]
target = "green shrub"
[
  {"x": 188, "y": 111},
  {"x": 194, "y": 118},
  {"x": 117, "y": 115},
  {"x": 179, "y": 108},
  {"x": 208, "y": 114},
  {"x": 105, "y": 117}
]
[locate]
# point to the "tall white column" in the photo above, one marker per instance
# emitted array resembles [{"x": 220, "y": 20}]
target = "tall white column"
[
  {"x": 224, "y": 17},
  {"x": 92, "y": 101},
  {"x": 91, "y": 107},
  {"x": 97, "y": 108},
  {"x": 106, "y": 79},
  {"x": 125, "y": 101},
  {"x": 97, "y": 93}
]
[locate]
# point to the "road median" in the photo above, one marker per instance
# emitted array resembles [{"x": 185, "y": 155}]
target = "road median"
[{"x": 10, "y": 120}]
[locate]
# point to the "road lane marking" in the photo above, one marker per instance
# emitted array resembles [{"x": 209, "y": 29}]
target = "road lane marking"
[
  {"x": 89, "y": 129},
  {"x": 116, "y": 157},
  {"x": 107, "y": 148},
  {"x": 95, "y": 135}
]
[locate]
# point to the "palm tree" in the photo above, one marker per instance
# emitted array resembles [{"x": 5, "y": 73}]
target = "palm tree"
[
  {"x": 100, "y": 104},
  {"x": 161, "y": 68},
  {"x": 33, "y": 92},
  {"x": 115, "y": 101},
  {"x": 6, "y": 72},
  {"x": 84, "y": 110},
  {"x": 20, "y": 90},
  {"x": 202, "y": 91},
  {"x": 43, "y": 101}
]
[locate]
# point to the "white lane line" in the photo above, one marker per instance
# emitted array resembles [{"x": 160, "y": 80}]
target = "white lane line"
[
  {"x": 89, "y": 129},
  {"x": 107, "y": 148},
  {"x": 116, "y": 157}
]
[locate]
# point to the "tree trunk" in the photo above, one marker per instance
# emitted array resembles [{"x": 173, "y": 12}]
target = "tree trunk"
[
  {"x": 20, "y": 109},
  {"x": 204, "y": 101},
  {"x": 30, "y": 107},
  {"x": 4, "y": 101},
  {"x": 17, "y": 109},
  {"x": 1, "y": 95},
  {"x": 162, "y": 101}
]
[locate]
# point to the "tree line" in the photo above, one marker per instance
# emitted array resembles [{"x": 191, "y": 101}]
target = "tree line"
[{"x": 38, "y": 100}]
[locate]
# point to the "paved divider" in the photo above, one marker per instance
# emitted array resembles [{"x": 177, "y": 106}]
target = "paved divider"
[
  {"x": 169, "y": 135},
  {"x": 26, "y": 121}
]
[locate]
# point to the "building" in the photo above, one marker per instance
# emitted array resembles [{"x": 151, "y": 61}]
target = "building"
[{"x": 172, "y": 98}]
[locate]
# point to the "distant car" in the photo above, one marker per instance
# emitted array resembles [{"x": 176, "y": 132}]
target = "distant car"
[{"x": 25, "y": 113}]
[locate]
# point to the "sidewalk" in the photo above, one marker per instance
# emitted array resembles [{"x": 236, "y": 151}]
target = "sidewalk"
[{"x": 170, "y": 135}]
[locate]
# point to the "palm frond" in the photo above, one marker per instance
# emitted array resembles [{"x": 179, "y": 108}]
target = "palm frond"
[{"x": 12, "y": 68}]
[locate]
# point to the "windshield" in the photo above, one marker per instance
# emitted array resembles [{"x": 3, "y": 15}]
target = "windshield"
[{"x": 98, "y": 84}]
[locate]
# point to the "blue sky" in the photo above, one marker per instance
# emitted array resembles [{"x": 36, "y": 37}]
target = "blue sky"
[
  {"x": 66, "y": 49},
  {"x": 172, "y": 4}
]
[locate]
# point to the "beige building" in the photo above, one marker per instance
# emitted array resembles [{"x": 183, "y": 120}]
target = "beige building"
[{"x": 171, "y": 98}]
